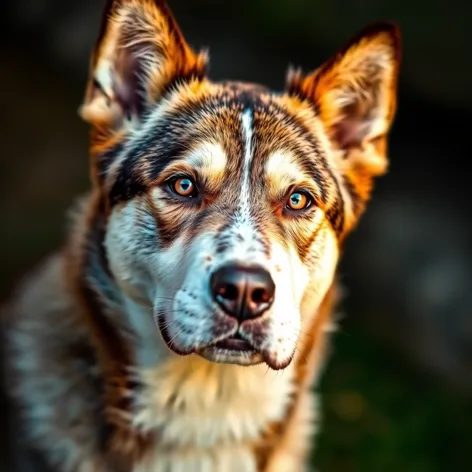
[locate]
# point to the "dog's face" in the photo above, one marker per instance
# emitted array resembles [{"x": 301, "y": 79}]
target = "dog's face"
[{"x": 227, "y": 203}]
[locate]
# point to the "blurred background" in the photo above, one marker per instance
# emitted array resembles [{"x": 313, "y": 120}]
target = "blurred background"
[{"x": 397, "y": 393}]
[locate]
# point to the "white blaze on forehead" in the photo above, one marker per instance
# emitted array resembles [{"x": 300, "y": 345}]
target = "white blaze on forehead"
[
  {"x": 243, "y": 222},
  {"x": 242, "y": 234},
  {"x": 244, "y": 196}
]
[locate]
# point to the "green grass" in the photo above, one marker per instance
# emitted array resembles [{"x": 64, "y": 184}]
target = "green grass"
[{"x": 381, "y": 415}]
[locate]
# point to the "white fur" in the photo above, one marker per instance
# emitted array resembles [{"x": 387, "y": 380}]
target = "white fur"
[{"x": 244, "y": 196}]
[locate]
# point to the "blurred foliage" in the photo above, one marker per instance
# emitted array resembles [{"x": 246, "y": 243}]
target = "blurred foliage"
[{"x": 379, "y": 415}]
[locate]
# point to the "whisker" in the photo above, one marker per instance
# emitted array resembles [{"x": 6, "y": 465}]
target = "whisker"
[
  {"x": 267, "y": 371},
  {"x": 301, "y": 354},
  {"x": 173, "y": 311},
  {"x": 306, "y": 333},
  {"x": 172, "y": 339}
]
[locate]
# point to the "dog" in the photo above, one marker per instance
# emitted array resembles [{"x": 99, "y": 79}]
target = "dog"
[{"x": 182, "y": 326}]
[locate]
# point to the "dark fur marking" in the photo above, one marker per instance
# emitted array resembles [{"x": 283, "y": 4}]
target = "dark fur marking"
[
  {"x": 106, "y": 159},
  {"x": 127, "y": 185},
  {"x": 94, "y": 242},
  {"x": 357, "y": 201}
]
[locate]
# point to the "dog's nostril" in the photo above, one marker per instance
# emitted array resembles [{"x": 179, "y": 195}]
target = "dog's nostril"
[
  {"x": 228, "y": 291},
  {"x": 260, "y": 295}
]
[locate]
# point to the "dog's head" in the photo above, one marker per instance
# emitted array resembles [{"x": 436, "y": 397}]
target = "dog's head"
[{"x": 227, "y": 202}]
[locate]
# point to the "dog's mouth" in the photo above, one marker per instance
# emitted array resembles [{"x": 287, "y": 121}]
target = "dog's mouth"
[
  {"x": 231, "y": 350},
  {"x": 234, "y": 343}
]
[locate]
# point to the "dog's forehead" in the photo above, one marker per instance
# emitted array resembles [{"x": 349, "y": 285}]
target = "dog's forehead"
[
  {"x": 248, "y": 129},
  {"x": 210, "y": 132}
]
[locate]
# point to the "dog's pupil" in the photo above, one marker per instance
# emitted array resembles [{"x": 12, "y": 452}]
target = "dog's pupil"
[
  {"x": 296, "y": 199},
  {"x": 185, "y": 186}
]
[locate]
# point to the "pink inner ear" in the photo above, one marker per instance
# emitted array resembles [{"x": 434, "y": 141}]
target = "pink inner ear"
[
  {"x": 349, "y": 132},
  {"x": 128, "y": 89}
]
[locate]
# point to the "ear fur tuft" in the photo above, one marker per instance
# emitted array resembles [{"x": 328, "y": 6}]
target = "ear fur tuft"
[
  {"x": 140, "y": 52},
  {"x": 354, "y": 94}
]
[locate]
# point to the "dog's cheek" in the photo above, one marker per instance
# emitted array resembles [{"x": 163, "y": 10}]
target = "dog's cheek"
[
  {"x": 129, "y": 259},
  {"x": 183, "y": 293},
  {"x": 291, "y": 276},
  {"x": 321, "y": 263},
  {"x": 169, "y": 270}
]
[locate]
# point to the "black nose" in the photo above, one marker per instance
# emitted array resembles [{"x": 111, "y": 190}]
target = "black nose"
[{"x": 244, "y": 292}]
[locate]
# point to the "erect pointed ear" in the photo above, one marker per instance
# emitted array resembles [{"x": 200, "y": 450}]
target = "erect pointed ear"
[
  {"x": 140, "y": 52},
  {"x": 354, "y": 94}
]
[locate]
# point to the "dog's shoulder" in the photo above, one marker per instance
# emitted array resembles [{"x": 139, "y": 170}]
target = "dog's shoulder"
[{"x": 52, "y": 372}]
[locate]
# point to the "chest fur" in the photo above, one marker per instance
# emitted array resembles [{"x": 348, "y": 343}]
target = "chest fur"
[{"x": 207, "y": 417}]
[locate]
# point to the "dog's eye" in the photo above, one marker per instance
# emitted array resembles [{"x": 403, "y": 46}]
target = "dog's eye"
[
  {"x": 184, "y": 186},
  {"x": 299, "y": 201}
]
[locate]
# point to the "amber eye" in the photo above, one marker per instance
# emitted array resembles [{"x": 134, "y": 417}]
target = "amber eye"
[
  {"x": 184, "y": 187},
  {"x": 298, "y": 201}
]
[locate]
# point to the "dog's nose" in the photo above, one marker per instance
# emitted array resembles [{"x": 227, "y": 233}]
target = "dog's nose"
[{"x": 244, "y": 292}]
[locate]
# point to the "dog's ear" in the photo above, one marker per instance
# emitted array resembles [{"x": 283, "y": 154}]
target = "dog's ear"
[
  {"x": 140, "y": 52},
  {"x": 354, "y": 94}
]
